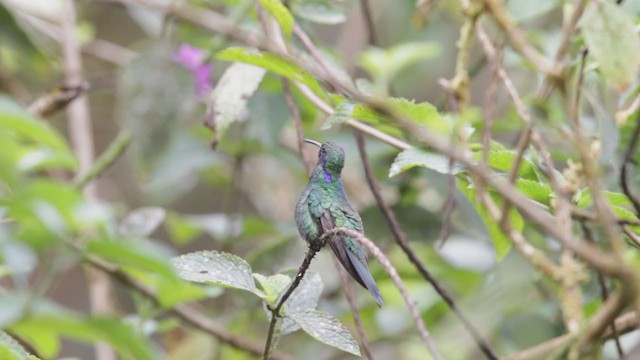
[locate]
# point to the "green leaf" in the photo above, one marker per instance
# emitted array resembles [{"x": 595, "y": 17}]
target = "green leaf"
[
  {"x": 30, "y": 144},
  {"x": 142, "y": 222},
  {"x": 387, "y": 63},
  {"x": 501, "y": 242},
  {"x": 138, "y": 254},
  {"x": 272, "y": 63},
  {"x": 612, "y": 40},
  {"x": 327, "y": 329},
  {"x": 212, "y": 267},
  {"x": 304, "y": 298},
  {"x": 422, "y": 113},
  {"x": 342, "y": 113},
  {"x": 503, "y": 160},
  {"x": 614, "y": 198},
  {"x": 320, "y": 11},
  {"x": 12, "y": 350},
  {"x": 230, "y": 96},
  {"x": 534, "y": 190},
  {"x": 272, "y": 286},
  {"x": 281, "y": 13},
  {"x": 417, "y": 157},
  {"x": 43, "y": 331}
]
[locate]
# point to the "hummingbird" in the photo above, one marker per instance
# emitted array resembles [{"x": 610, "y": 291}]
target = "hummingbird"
[{"x": 323, "y": 205}]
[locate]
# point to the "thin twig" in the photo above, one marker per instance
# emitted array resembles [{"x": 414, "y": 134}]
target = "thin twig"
[
  {"x": 517, "y": 38},
  {"x": 357, "y": 321},
  {"x": 565, "y": 41},
  {"x": 402, "y": 241},
  {"x": 627, "y": 160},
  {"x": 275, "y": 312},
  {"x": 368, "y": 18},
  {"x": 393, "y": 273},
  {"x": 113, "y": 152}
]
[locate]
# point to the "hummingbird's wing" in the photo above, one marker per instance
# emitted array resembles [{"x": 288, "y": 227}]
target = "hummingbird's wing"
[{"x": 351, "y": 254}]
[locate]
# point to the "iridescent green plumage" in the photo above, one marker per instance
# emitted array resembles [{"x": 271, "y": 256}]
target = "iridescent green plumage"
[{"x": 323, "y": 205}]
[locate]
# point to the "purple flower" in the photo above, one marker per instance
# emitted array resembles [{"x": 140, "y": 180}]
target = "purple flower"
[{"x": 193, "y": 58}]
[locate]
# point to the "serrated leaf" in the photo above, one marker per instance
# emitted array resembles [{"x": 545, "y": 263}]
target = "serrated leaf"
[
  {"x": 320, "y": 11},
  {"x": 272, "y": 63},
  {"x": 612, "y": 40},
  {"x": 281, "y": 13},
  {"x": 142, "y": 222},
  {"x": 614, "y": 198},
  {"x": 389, "y": 62},
  {"x": 416, "y": 157},
  {"x": 342, "y": 113},
  {"x": 305, "y": 297},
  {"x": 327, "y": 329},
  {"x": 272, "y": 286},
  {"x": 535, "y": 190},
  {"x": 503, "y": 160},
  {"x": 230, "y": 96},
  {"x": 213, "y": 267},
  {"x": 422, "y": 113}
]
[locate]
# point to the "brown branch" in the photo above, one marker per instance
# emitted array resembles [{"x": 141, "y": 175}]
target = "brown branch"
[
  {"x": 402, "y": 241},
  {"x": 368, "y": 18}
]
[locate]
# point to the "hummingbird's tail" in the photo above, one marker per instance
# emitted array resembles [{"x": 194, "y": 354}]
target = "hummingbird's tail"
[{"x": 362, "y": 269}]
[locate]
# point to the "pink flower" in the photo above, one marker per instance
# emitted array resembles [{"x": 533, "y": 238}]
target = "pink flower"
[{"x": 193, "y": 59}]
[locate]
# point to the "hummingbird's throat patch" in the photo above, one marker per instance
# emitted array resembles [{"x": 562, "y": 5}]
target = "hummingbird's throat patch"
[{"x": 327, "y": 177}]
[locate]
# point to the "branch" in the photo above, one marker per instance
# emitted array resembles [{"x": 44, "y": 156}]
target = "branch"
[
  {"x": 393, "y": 273},
  {"x": 275, "y": 312},
  {"x": 368, "y": 18},
  {"x": 108, "y": 157},
  {"x": 401, "y": 240}
]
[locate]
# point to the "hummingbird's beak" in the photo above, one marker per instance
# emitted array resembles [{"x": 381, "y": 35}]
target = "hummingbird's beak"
[{"x": 313, "y": 142}]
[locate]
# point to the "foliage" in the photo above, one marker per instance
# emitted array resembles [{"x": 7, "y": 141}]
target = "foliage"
[{"x": 179, "y": 212}]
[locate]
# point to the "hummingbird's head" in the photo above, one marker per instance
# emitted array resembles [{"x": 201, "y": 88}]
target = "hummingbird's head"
[{"x": 330, "y": 159}]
